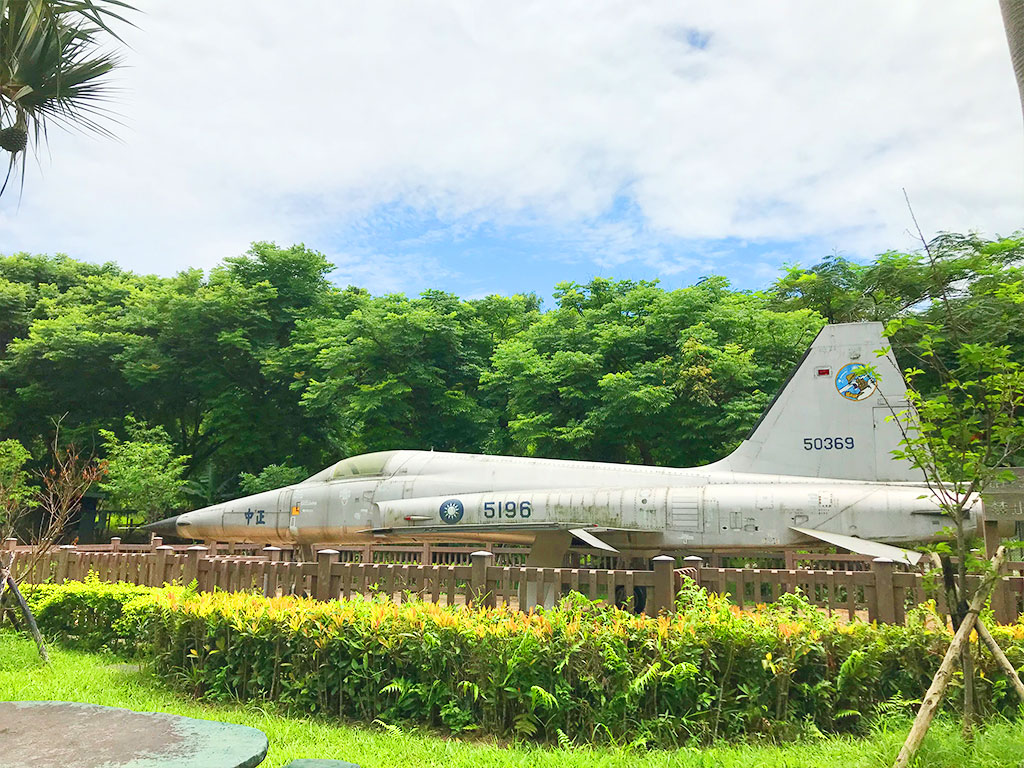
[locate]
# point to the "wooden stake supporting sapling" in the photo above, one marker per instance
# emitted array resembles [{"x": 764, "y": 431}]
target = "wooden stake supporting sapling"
[
  {"x": 932, "y": 699},
  {"x": 7, "y": 582}
]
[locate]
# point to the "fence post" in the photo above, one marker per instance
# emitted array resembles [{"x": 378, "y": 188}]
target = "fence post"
[
  {"x": 10, "y": 544},
  {"x": 1004, "y": 603},
  {"x": 115, "y": 544},
  {"x": 273, "y": 553},
  {"x": 427, "y": 556},
  {"x": 478, "y": 577},
  {"x": 325, "y": 558},
  {"x": 63, "y": 555},
  {"x": 885, "y": 601},
  {"x": 156, "y": 541},
  {"x": 695, "y": 563},
  {"x": 664, "y": 597},
  {"x": 160, "y": 565},
  {"x": 192, "y": 557}
]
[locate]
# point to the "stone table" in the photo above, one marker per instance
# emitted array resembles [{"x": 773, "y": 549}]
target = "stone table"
[{"x": 57, "y": 734}]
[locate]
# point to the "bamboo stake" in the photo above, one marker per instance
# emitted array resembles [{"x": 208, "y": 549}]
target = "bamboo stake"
[
  {"x": 7, "y": 580},
  {"x": 932, "y": 699},
  {"x": 967, "y": 667},
  {"x": 29, "y": 618},
  {"x": 1000, "y": 657}
]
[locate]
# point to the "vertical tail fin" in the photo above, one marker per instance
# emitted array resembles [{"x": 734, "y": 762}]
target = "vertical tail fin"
[{"x": 829, "y": 419}]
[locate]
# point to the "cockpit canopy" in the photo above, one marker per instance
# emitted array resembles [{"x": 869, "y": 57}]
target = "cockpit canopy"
[{"x": 366, "y": 465}]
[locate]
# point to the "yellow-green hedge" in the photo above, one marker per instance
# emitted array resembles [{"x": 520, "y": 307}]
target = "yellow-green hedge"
[{"x": 581, "y": 672}]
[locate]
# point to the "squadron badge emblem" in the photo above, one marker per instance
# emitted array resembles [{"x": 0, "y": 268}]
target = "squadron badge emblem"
[{"x": 855, "y": 382}]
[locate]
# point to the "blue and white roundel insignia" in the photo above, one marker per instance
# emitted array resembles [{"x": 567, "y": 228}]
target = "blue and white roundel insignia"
[
  {"x": 855, "y": 382},
  {"x": 451, "y": 511}
]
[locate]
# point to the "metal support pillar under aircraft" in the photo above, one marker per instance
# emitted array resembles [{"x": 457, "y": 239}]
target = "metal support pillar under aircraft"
[{"x": 548, "y": 551}]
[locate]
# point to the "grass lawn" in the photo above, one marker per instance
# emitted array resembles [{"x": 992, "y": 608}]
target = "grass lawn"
[{"x": 100, "y": 679}]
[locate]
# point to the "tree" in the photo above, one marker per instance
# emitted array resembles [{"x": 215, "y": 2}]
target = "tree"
[
  {"x": 962, "y": 437},
  {"x": 395, "y": 372},
  {"x": 200, "y": 355},
  {"x": 897, "y": 283},
  {"x": 963, "y": 424},
  {"x": 833, "y": 289},
  {"x": 270, "y": 477},
  {"x": 625, "y": 371},
  {"x": 52, "y": 68},
  {"x": 143, "y": 473},
  {"x": 15, "y": 491},
  {"x": 60, "y": 493}
]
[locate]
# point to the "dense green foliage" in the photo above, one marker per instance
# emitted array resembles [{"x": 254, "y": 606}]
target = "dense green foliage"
[
  {"x": 270, "y": 477},
  {"x": 14, "y": 483},
  {"x": 142, "y": 472},
  {"x": 582, "y": 671},
  {"x": 262, "y": 369},
  {"x": 91, "y": 677}
]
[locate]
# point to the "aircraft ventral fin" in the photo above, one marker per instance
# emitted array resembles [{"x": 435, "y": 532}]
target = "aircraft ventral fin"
[
  {"x": 583, "y": 535},
  {"x": 863, "y": 546},
  {"x": 588, "y": 538}
]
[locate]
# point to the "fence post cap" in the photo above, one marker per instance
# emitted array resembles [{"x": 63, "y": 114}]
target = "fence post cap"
[
  {"x": 327, "y": 552},
  {"x": 481, "y": 553},
  {"x": 881, "y": 560},
  {"x": 165, "y": 547},
  {"x": 693, "y": 559},
  {"x": 271, "y": 549},
  {"x": 198, "y": 548},
  {"x": 664, "y": 558}
]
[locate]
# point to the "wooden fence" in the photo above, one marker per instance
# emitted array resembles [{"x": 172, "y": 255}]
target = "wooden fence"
[
  {"x": 505, "y": 554},
  {"x": 480, "y": 581},
  {"x": 883, "y": 592}
]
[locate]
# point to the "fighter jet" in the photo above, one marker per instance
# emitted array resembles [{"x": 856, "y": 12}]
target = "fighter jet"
[{"x": 817, "y": 467}]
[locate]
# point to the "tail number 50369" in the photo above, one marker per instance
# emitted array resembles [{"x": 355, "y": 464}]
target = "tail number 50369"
[
  {"x": 509, "y": 509},
  {"x": 828, "y": 443}
]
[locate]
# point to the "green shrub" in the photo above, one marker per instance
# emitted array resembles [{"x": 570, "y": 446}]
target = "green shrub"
[
  {"x": 92, "y": 615},
  {"x": 584, "y": 671}
]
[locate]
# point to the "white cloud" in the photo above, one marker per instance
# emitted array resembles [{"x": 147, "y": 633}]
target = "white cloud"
[{"x": 251, "y": 121}]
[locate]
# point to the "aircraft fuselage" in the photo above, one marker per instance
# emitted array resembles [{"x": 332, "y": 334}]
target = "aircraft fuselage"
[
  {"x": 423, "y": 496},
  {"x": 823, "y": 462}
]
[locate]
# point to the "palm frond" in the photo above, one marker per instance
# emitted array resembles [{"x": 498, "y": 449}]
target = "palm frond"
[
  {"x": 98, "y": 12},
  {"x": 52, "y": 69}
]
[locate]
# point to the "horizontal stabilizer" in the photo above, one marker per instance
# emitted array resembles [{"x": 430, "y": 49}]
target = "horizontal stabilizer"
[
  {"x": 863, "y": 546},
  {"x": 591, "y": 540}
]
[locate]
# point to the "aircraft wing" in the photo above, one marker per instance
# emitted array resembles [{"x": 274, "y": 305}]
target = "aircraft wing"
[{"x": 863, "y": 546}]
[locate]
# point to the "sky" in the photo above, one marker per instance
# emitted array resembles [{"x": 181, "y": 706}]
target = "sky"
[{"x": 499, "y": 147}]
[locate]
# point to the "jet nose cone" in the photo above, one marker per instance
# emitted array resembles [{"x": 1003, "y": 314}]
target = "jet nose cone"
[{"x": 166, "y": 527}]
